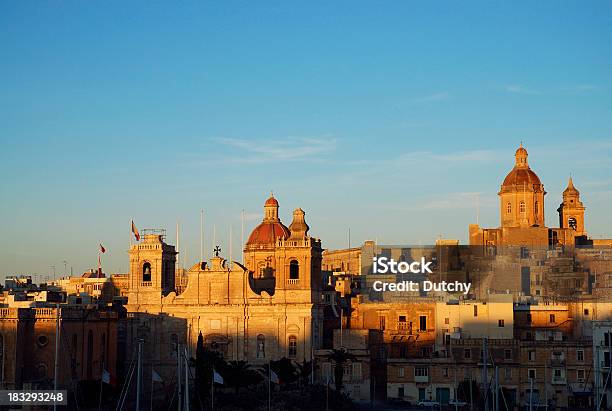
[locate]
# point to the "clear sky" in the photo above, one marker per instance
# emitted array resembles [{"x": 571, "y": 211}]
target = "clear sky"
[{"x": 385, "y": 117}]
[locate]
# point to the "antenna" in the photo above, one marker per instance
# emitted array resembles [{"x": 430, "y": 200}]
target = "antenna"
[
  {"x": 477, "y": 208},
  {"x": 242, "y": 234},
  {"x": 178, "y": 261},
  {"x": 230, "y": 247},
  {"x": 201, "y": 235}
]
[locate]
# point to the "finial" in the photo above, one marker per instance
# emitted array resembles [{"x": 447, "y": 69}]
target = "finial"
[
  {"x": 271, "y": 193},
  {"x": 217, "y": 250}
]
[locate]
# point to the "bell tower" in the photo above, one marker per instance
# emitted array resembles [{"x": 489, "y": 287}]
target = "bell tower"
[
  {"x": 571, "y": 210},
  {"x": 152, "y": 266}
]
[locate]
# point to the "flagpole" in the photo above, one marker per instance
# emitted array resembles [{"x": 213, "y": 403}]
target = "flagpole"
[
  {"x": 186, "y": 381},
  {"x": 139, "y": 376},
  {"x": 57, "y": 341},
  {"x": 178, "y": 260},
  {"x": 152, "y": 386},
  {"x": 101, "y": 382},
  {"x": 178, "y": 374},
  {"x": 230, "y": 246},
  {"x": 201, "y": 234},
  {"x": 242, "y": 234}
]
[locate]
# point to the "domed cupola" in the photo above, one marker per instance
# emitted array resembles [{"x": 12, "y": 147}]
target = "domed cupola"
[
  {"x": 270, "y": 228},
  {"x": 522, "y": 175},
  {"x": 521, "y": 194},
  {"x": 298, "y": 227}
]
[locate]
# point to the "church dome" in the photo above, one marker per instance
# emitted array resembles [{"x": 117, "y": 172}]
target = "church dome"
[
  {"x": 521, "y": 174},
  {"x": 270, "y": 228},
  {"x": 268, "y": 232}
]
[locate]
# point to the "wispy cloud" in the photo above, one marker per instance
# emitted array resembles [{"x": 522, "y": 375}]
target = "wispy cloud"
[
  {"x": 450, "y": 201},
  {"x": 285, "y": 149},
  {"x": 431, "y": 98},
  {"x": 520, "y": 89},
  {"x": 582, "y": 88},
  {"x": 450, "y": 157}
]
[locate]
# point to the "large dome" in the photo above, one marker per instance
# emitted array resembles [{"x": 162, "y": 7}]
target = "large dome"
[
  {"x": 268, "y": 232},
  {"x": 521, "y": 176}
]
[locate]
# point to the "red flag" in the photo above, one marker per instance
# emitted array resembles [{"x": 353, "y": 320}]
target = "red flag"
[
  {"x": 102, "y": 249},
  {"x": 135, "y": 231}
]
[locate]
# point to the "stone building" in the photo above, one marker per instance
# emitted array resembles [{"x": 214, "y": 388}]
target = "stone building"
[
  {"x": 266, "y": 309},
  {"x": 88, "y": 344}
]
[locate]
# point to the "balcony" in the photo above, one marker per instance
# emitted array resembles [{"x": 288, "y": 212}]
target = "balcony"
[
  {"x": 557, "y": 362},
  {"x": 559, "y": 380},
  {"x": 421, "y": 378},
  {"x": 293, "y": 281},
  {"x": 404, "y": 328},
  {"x": 146, "y": 284}
]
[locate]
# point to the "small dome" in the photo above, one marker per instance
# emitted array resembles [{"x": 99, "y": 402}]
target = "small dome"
[
  {"x": 268, "y": 232},
  {"x": 271, "y": 202},
  {"x": 521, "y": 151}
]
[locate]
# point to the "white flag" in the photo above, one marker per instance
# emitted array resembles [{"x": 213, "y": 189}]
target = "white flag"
[
  {"x": 217, "y": 377},
  {"x": 155, "y": 377},
  {"x": 106, "y": 377},
  {"x": 274, "y": 377}
]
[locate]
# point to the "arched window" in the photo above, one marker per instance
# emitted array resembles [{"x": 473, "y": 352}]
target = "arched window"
[
  {"x": 572, "y": 223},
  {"x": 509, "y": 207},
  {"x": 522, "y": 207},
  {"x": 261, "y": 346},
  {"x": 292, "y": 351},
  {"x": 146, "y": 271},
  {"x": 294, "y": 270}
]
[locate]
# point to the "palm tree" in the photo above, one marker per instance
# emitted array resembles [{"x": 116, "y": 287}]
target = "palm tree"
[
  {"x": 239, "y": 374},
  {"x": 206, "y": 360},
  {"x": 340, "y": 357},
  {"x": 305, "y": 369}
]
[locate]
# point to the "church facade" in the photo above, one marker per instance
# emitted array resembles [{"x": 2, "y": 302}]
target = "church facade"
[{"x": 265, "y": 309}]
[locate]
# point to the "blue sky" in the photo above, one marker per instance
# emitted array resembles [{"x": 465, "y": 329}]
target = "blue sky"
[{"x": 388, "y": 118}]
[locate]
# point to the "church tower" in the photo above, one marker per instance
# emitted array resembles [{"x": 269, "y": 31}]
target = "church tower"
[
  {"x": 521, "y": 195},
  {"x": 287, "y": 261},
  {"x": 152, "y": 266},
  {"x": 571, "y": 210}
]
